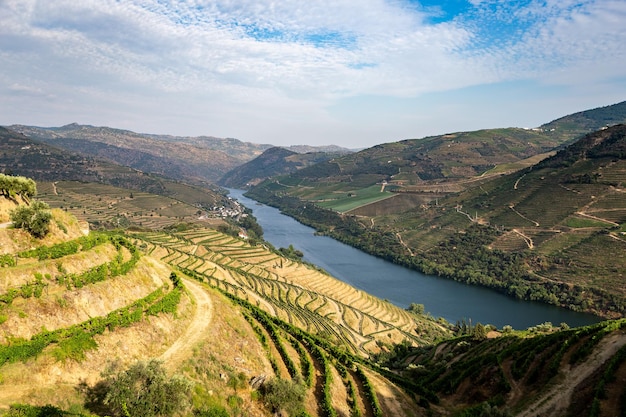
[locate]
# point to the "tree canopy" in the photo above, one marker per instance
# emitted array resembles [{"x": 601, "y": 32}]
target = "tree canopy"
[
  {"x": 10, "y": 186},
  {"x": 34, "y": 218},
  {"x": 145, "y": 390}
]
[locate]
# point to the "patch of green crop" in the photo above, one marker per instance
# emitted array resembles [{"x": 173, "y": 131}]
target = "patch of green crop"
[
  {"x": 347, "y": 201},
  {"x": 578, "y": 222}
]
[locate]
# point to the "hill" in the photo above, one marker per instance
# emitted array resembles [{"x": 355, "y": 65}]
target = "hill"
[
  {"x": 231, "y": 320},
  {"x": 20, "y": 155},
  {"x": 545, "y": 371},
  {"x": 172, "y": 157},
  {"x": 576, "y": 125},
  {"x": 216, "y": 311},
  {"x": 446, "y": 163},
  {"x": 274, "y": 161},
  {"x": 552, "y": 232},
  {"x": 195, "y": 160}
]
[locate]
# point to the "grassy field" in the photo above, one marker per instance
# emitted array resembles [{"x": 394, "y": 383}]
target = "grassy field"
[{"x": 345, "y": 201}]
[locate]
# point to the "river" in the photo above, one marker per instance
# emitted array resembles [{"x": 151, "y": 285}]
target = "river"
[{"x": 441, "y": 297}]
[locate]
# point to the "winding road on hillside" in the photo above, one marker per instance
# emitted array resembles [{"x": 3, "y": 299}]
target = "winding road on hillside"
[{"x": 182, "y": 348}]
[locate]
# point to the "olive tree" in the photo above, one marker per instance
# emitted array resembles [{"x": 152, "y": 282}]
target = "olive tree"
[
  {"x": 284, "y": 395},
  {"x": 34, "y": 218},
  {"x": 145, "y": 390}
]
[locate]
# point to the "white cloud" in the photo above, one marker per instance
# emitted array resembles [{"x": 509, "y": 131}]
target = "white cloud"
[{"x": 265, "y": 60}]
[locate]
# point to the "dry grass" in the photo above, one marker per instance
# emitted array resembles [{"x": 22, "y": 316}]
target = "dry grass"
[
  {"x": 291, "y": 291},
  {"x": 16, "y": 240}
]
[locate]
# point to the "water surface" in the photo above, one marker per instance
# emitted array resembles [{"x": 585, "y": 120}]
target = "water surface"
[{"x": 441, "y": 297}]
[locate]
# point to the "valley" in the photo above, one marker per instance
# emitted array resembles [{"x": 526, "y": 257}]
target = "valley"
[
  {"x": 217, "y": 310},
  {"x": 534, "y": 234},
  {"x": 121, "y": 271}
]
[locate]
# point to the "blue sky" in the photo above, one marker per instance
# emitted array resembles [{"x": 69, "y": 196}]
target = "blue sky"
[{"x": 351, "y": 73}]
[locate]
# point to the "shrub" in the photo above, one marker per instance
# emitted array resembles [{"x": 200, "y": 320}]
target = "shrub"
[
  {"x": 24, "y": 410},
  {"x": 35, "y": 218},
  {"x": 214, "y": 411},
  {"x": 145, "y": 390},
  {"x": 284, "y": 395}
]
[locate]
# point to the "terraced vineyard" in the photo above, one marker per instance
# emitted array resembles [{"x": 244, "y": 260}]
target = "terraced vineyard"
[
  {"x": 314, "y": 328},
  {"x": 56, "y": 306},
  {"x": 107, "y": 206},
  {"x": 294, "y": 292}
]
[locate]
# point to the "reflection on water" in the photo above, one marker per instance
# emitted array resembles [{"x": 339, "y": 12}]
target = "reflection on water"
[{"x": 401, "y": 286}]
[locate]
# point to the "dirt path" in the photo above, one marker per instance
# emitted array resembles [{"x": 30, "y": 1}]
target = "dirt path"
[
  {"x": 195, "y": 332},
  {"x": 404, "y": 244},
  {"x": 458, "y": 210},
  {"x": 517, "y": 182},
  {"x": 512, "y": 207},
  {"x": 556, "y": 401},
  {"x": 180, "y": 350},
  {"x": 580, "y": 213},
  {"x": 528, "y": 240}
]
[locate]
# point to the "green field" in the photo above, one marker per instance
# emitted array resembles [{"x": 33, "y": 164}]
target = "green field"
[
  {"x": 578, "y": 222},
  {"x": 346, "y": 201}
]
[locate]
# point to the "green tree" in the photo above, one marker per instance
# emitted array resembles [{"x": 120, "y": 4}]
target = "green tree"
[
  {"x": 146, "y": 390},
  {"x": 291, "y": 253},
  {"x": 34, "y": 218},
  {"x": 284, "y": 395},
  {"x": 416, "y": 308},
  {"x": 479, "y": 332},
  {"x": 11, "y": 186}
]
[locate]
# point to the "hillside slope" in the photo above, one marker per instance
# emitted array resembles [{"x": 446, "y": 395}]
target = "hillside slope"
[
  {"x": 427, "y": 168},
  {"x": 71, "y": 307},
  {"x": 274, "y": 161},
  {"x": 72, "y": 304},
  {"x": 545, "y": 371},
  {"x": 173, "y": 158},
  {"x": 551, "y": 233},
  {"x": 575, "y": 125},
  {"x": 20, "y": 155}
]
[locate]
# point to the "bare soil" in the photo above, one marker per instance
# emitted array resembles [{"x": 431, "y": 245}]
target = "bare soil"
[
  {"x": 556, "y": 401},
  {"x": 196, "y": 330},
  {"x": 43, "y": 380}
]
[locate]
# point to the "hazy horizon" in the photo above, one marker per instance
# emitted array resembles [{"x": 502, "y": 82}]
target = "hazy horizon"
[{"x": 353, "y": 74}]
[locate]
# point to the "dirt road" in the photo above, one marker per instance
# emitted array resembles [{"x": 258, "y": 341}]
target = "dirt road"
[
  {"x": 195, "y": 332},
  {"x": 180, "y": 350}
]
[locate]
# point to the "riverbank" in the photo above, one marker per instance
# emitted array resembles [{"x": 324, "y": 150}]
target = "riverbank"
[{"x": 441, "y": 297}]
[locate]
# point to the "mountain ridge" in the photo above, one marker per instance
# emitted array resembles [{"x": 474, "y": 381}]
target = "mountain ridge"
[
  {"x": 182, "y": 157},
  {"x": 551, "y": 232},
  {"x": 272, "y": 162},
  {"x": 275, "y": 317}
]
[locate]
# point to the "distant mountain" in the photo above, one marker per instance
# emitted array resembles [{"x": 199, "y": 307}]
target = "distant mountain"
[
  {"x": 191, "y": 159},
  {"x": 328, "y": 149},
  {"x": 20, "y": 155},
  {"x": 451, "y": 156},
  {"x": 274, "y": 161},
  {"x": 453, "y": 161}
]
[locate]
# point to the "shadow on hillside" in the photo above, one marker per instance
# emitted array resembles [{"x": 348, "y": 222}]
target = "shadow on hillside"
[{"x": 94, "y": 397}]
